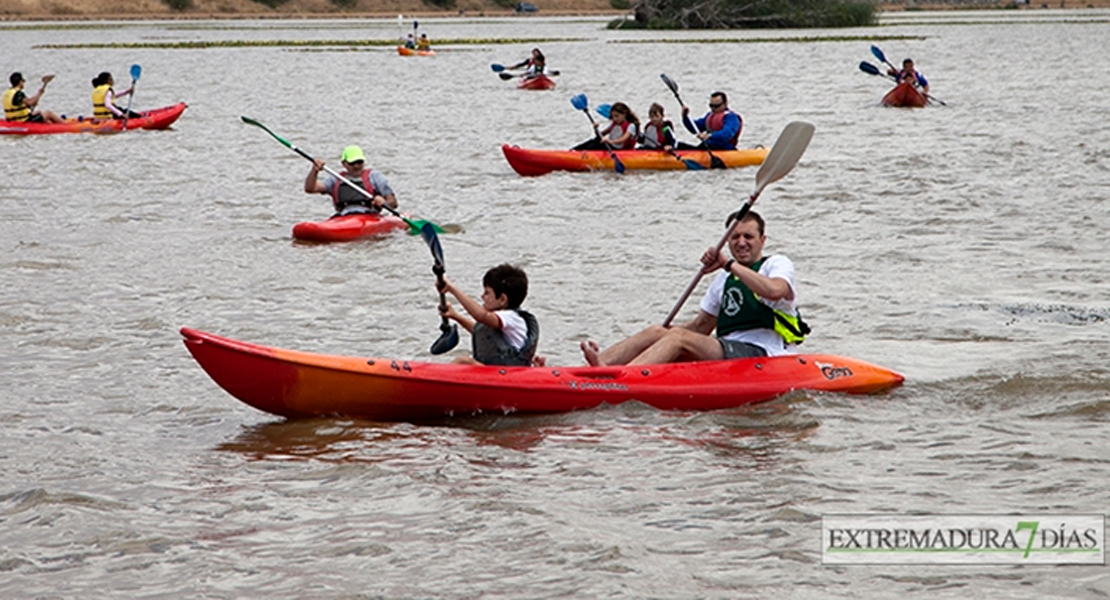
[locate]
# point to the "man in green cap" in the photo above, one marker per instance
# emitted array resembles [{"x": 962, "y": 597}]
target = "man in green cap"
[{"x": 373, "y": 189}]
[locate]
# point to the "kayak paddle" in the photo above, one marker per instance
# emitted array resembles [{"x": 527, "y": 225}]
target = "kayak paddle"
[
  {"x": 415, "y": 227},
  {"x": 691, "y": 165},
  {"x": 714, "y": 162},
  {"x": 878, "y": 53},
  {"x": 497, "y": 68},
  {"x": 780, "y": 160},
  {"x": 449, "y": 336},
  {"x": 136, "y": 71},
  {"x": 583, "y": 104}
]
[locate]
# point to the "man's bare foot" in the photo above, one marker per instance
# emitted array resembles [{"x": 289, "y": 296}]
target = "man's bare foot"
[
  {"x": 539, "y": 361},
  {"x": 592, "y": 352}
]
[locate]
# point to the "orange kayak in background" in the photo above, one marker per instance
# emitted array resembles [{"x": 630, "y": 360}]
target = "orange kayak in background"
[
  {"x": 905, "y": 94},
  {"x": 158, "y": 118},
  {"x": 403, "y": 51},
  {"x": 296, "y": 384},
  {"x": 539, "y": 162}
]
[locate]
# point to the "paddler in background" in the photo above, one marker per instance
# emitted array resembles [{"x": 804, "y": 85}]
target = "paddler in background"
[
  {"x": 908, "y": 73},
  {"x": 719, "y": 129},
  {"x": 535, "y": 64},
  {"x": 103, "y": 98},
  {"x": 349, "y": 201},
  {"x": 18, "y": 106},
  {"x": 423, "y": 44}
]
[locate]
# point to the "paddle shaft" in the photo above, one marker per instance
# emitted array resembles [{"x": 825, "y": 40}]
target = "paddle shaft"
[
  {"x": 721, "y": 244},
  {"x": 134, "y": 81},
  {"x": 714, "y": 161},
  {"x": 782, "y": 158},
  {"x": 618, "y": 166}
]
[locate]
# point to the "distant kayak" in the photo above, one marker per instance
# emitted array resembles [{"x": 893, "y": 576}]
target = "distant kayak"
[
  {"x": 158, "y": 118},
  {"x": 300, "y": 384},
  {"x": 403, "y": 51},
  {"x": 347, "y": 228},
  {"x": 906, "y": 95},
  {"x": 537, "y": 82},
  {"x": 539, "y": 162}
]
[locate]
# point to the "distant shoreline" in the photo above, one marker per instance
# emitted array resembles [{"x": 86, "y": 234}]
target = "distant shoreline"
[{"x": 164, "y": 14}]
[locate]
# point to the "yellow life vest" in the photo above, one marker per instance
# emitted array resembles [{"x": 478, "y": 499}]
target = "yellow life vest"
[
  {"x": 13, "y": 112},
  {"x": 100, "y": 109}
]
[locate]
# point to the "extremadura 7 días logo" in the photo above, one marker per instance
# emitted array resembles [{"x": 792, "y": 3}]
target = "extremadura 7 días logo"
[{"x": 963, "y": 539}]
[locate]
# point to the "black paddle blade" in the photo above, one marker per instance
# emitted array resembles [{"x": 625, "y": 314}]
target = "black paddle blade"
[
  {"x": 428, "y": 232},
  {"x": 506, "y": 76},
  {"x": 446, "y": 340},
  {"x": 869, "y": 68},
  {"x": 497, "y": 68},
  {"x": 670, "y": 83}
]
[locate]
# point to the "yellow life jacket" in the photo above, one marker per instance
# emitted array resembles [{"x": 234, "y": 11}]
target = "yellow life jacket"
[
  {"x": 13, "y": 112},
  {"x": 100, "y": 109}
]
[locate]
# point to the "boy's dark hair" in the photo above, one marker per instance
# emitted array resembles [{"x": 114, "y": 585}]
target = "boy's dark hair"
[{"x": 509, "y": 280}]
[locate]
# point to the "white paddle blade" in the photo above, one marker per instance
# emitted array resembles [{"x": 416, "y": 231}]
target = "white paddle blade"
[{"x": 786, "y": 152}]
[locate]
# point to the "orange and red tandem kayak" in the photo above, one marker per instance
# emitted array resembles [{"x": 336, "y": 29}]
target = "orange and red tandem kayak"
[
  {"x": 904, "y": 94},
  {"x": 158, "y": 118},
  {"x": 539, "y": 162},
  {"x": 299, "y": 384}
]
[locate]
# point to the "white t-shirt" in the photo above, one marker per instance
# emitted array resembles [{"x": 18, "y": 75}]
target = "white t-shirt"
[
  {"x": 777, "y": 267},
  {"x": 513, "y": 327}
]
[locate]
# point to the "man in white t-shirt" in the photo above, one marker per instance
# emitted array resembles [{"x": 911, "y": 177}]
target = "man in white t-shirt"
[{"x": 751, "y": 304}]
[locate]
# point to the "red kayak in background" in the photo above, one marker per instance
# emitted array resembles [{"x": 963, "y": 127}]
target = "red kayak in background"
[
  {"x": 348, "y": 228},
  {"x": 536, "y": 82},
  {"x": 158, "y": 118},
  {"x": 297, "y": 384},
  {"x": 905, "y": 95}
]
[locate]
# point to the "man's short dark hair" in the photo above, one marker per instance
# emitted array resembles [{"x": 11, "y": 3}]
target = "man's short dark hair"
[{"x": 15, "y": 78}]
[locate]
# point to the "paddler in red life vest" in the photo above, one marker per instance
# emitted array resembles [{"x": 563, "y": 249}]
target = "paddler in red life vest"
[
  {"x": 719, "y": 129},
  {"x": 347, "y": 200},
  {"x": 908, "y": 73},
  {"x": 621, "y": 134},
  {"x": 658, "y": 132}
]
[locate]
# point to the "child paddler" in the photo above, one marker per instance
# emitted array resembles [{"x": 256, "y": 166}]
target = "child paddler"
[{"x": 502, "y": 333}]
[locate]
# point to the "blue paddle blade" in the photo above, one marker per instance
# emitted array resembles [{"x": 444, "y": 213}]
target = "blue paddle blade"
[
  {"x": 428, "y": 232},
  {"x": 580, "y": 102},
  {"x": 497, "y": 68},
  {"x": 604, "y": 110},
  {"x": 878, "y": 53},
  {"x": 136, "y": 71}
]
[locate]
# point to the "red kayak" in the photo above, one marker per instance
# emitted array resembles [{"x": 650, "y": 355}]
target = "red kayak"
[
  {"x": 158, "y": 118},
  {"x": 300, "y": 384},
  {"x": 347, "y": 228},
  {"x": 905, "y": 94},
  {"x": 536, "y": 82}
]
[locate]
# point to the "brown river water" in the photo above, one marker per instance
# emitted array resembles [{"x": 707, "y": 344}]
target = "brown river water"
[{"x": 965, "y": 246}]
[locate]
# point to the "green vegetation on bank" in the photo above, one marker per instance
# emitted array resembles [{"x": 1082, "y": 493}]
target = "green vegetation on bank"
[
  {"x": 792, "y": 39},
  {"x": 749, "y": 14}
]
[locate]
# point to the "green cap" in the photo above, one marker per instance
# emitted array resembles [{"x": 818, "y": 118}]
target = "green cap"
[{"x": 352, "y": 154}]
